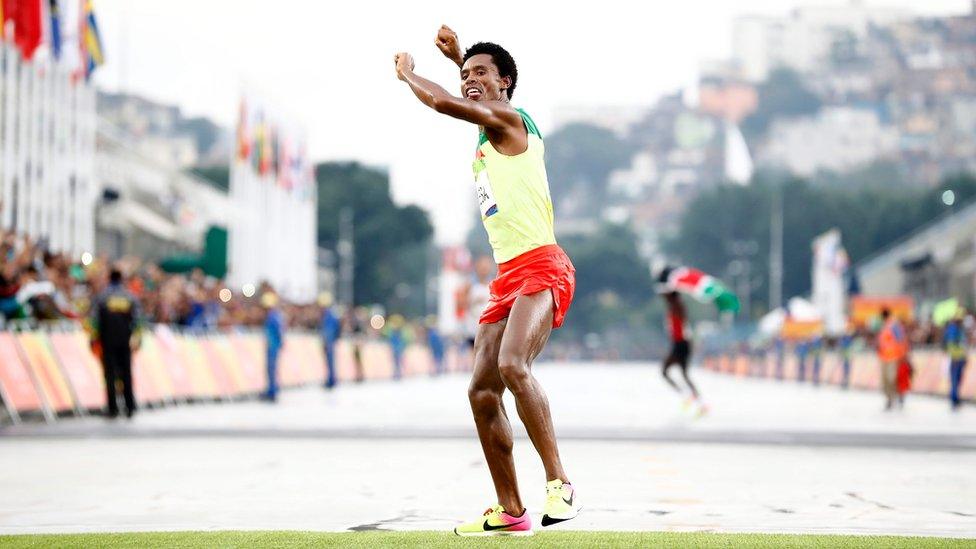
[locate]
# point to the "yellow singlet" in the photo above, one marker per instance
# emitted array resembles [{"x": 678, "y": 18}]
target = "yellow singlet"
[{"x": 513, "y": 195}]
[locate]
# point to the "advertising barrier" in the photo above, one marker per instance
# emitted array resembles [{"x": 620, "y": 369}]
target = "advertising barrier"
[
  {"x": 54, "y": 372},
  {"x": 50, "y": 380},
  {"x": 931, "y": 371},
  {"x": 18, "y": 390},
  {"x": 83, "y": 372}
]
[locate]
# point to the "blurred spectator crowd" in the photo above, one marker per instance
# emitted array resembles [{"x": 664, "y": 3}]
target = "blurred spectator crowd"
[{"x": 37, "y": 285}]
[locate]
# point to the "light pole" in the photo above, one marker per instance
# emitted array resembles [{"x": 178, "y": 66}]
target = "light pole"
[
  {"x": 347, "y": 256},
  {"x": 776, "y": 250},
  {"x": 741, "y": 268}
]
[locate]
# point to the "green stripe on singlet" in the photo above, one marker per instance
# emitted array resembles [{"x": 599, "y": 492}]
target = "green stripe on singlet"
[{"x": 529, "y": 127}]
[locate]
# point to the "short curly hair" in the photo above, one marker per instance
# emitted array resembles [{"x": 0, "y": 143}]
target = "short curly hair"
[{"x": 502, "y": 59}]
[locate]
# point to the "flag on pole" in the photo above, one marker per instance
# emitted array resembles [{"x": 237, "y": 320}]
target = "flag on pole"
[
  {"x": 55, "y": 14},
  {"x": 27, "y": 25},
  {"x": 265, "y": 164},
  {"x": 91, "y": 41},
  {"x": 243, "y": 140},
  {"x": 274, "y": 154},
  {"x": 72, "y": 49},
  {"x": 260, "y": 135},
  {"x": 701, "y": 286},
  {"x": 285, "y": 164},
  {"x": 269, "y": 181}
]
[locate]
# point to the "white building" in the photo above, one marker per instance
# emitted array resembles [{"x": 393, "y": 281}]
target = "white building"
[
  {"x": 803, "y": 39},
  {"x": 156, "y": 209},
  {"x": 836, "y": 138},
  {"x": 632, "y": 182}
]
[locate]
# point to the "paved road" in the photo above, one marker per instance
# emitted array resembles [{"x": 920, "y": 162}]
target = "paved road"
[{"x": 768, "y": 457}]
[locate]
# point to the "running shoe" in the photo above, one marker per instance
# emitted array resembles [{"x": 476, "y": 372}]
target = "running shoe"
[
  {"x": 703, "y": 410},
  {"x": 496, "y": 522},
  {"x": 561, "y": 502}
]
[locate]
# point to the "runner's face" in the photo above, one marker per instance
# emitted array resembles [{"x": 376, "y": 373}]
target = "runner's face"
[{"x": 480, "y": 79}]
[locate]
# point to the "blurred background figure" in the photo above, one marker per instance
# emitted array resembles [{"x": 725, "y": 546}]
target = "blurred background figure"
[
  {"x": 353, "y": 324},
  {"x": 436, "y": 344},
  {"x": 817, "y": 345},
  {"x": 680, "y": 345},
  {"x": 893, "y": 348},
  {"x": 274, "y": 330},
  {"x": 330, "y": 328},
  {"x": 398, "y": 343},
  {"x": 845, "y": 345},
  {"x": 779, "y": 347},
  {"x": 956, "y": 344},
  {"x": 115, "y": 327},
  {"x": 802, "y": 351},
  {"x": 477, "y": 296}
]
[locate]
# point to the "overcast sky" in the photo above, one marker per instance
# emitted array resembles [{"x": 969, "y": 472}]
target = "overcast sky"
[{"x": 329, "y": 67}]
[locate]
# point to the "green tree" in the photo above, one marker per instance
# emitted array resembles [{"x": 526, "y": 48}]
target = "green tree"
[
  {"x": 613, "y": 290},
  {"x": 579, "y": 157},
  {"x": 870, "y": 217},
  {"x": 391, "y": 241}
]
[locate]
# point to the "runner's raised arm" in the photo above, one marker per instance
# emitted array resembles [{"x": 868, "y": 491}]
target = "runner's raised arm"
[{"x": 495, "y": 114}]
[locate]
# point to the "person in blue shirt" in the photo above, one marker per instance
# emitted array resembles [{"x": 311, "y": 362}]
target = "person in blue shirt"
[
  {"x": 330, "y": 329},
  {"x": 274, "y": 331},
  {"x": 816, "y": 349},
  {"x": 802, "y": 348},
  {"x": 957, "y": 346},
  {"x": 398, "y": 343},
  {"x": 436, "y": 344},
  {"x": 846, "y": 342},
  {"x": 780, "y": 351}
]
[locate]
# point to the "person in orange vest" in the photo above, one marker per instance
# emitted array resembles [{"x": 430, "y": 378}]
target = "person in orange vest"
[{"x": 892, "y": 351}]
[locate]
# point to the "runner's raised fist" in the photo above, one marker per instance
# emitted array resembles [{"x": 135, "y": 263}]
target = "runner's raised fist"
[
  {"x": 447, "y": 42},
  {"x": 404, "y": 62}
]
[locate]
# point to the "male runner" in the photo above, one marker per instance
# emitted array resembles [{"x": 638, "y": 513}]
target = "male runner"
[
  {"x": 680, "y": 346},
  {"x": 535, "y": 281}
]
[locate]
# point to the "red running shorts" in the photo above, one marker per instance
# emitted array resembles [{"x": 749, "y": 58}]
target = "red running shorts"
[{"x": 544, "y": 268}]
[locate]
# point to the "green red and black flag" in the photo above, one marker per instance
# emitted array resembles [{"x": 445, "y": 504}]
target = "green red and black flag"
[{"x": 699, "y": 285}]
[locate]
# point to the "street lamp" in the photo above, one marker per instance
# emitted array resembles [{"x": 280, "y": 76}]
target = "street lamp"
[{"x": 740, "y": 268}]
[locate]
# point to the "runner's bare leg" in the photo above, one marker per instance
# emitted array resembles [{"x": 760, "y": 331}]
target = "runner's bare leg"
[
  {"x": 528, "y": 329},
  {"x": 494, "y": 429},
  {"x": 684, "y": 372},
  {"x": 669, "y": 361}
]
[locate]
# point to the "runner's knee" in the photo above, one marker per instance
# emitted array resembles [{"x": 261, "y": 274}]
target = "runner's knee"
[
  {"x": 484, "y": 400},
  {"x": 514, "y": 371}
]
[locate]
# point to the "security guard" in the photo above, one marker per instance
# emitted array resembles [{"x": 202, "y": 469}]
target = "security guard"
[{"x": 115, "y": 327}]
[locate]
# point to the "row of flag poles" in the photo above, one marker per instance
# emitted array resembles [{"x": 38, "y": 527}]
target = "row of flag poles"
[
  {"x": 48, "y": 50},
  {"x": 272, "y": 185}
]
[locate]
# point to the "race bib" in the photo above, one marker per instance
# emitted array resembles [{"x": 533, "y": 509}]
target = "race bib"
[{"x": 486, "y": 200}]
